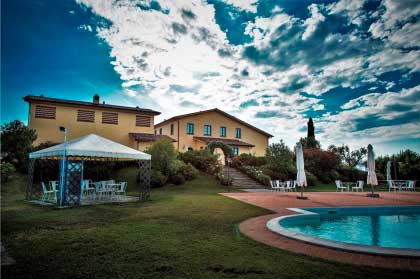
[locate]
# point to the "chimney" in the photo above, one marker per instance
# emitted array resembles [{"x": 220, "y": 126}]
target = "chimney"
[{"x": 96, "y": 99}]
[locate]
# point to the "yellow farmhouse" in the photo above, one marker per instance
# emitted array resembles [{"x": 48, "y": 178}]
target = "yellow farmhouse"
[
  {"x": 196, "y": 130},
  {"x": 131, "y": 126}
]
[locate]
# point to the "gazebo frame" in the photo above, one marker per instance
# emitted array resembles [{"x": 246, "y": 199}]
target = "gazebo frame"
[{"x": 70, "y": 189}]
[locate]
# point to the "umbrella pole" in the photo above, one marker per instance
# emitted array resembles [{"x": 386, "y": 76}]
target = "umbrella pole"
[
  {"x": 372, "y": 194},
  {"x": 301, "y": 197}
]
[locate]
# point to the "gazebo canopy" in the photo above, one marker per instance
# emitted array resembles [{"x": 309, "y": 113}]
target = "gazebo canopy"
[{"x": 91, "y": 146}]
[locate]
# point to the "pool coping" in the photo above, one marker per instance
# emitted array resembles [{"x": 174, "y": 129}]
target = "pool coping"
[{"x": 274, "y": 226}]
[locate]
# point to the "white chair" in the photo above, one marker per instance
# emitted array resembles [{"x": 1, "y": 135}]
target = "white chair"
[
  {"x": 46, "y": 193},
  {"x": 280, "y": 186},
  {"x": 273, "y": 185},
  {"x": 293, "y": 185},
  {"x": 340, "y": 186},
  {"x": 410, "y": 186},
  {"x": 392, "y": 185},
  {"x": 288, "y": 187},
  {"x": 53, "y": 187},
  {"x": 359, "y": 186},
  {"x": 121, "y": 190}
]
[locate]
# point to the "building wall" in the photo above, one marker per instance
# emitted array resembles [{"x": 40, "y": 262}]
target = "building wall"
[
  {"x": 216, "y": 120},
  {"x": 48, "y": 129}
]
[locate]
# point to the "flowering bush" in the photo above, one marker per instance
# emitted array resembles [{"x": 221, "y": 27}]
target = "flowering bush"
[{"x": 256, "y": 174}]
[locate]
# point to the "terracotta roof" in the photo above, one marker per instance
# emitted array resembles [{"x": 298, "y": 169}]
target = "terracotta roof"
[
  {"x": 32, "y": 98},
  {"x": 214, "y": 110},
  {"x": 233, "y": 142},
  {"x": 149, "y": 137}
]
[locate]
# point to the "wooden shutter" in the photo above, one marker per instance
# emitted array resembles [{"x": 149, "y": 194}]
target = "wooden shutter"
[
  {"x": 45, "y": 112},
  {"x": 85, "y": 115},
  {"x": 143, "y": 120},
  {"x": 110, "y": 118}
]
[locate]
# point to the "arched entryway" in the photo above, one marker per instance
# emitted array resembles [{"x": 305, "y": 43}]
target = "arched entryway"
[{"x": 221, "y": 155}]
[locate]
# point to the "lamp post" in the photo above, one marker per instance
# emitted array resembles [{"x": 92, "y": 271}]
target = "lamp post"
[
  {"x": 63, "y": 165},
  {"x": 229, "y": 161}
]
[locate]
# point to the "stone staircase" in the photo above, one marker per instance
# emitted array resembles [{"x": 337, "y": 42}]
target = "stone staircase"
[{"x": 241, "y": 180}]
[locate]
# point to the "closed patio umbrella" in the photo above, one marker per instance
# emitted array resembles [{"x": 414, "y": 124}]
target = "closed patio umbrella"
[
  {"x": 388, "y": 171},
  {"x": 300, "y": 166},
  {"x": 371, "y": 176}
]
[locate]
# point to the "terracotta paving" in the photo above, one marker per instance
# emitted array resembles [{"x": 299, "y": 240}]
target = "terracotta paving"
[{"x": 256, "y": 229}]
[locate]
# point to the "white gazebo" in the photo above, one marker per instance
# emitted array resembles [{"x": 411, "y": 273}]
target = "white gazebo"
[{"x": 72, "y": 155}]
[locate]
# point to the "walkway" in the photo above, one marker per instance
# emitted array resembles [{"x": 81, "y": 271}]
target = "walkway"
[{"x": 255, "y": 228}]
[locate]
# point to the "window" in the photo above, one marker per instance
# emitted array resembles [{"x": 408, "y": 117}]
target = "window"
[
  {"x": 207, "y": 130},
  {"x": 45, "y": 112},
  {"x": 235, "y": 150},
  {"x": 155, "y": 132},
  {"x": 143, "y": 121},
  {"x": 172, "y": 129},
  {"x": 160, "y": 131},
  {"x": 223, "y": 132},
  {"x": 190, "y": 128},
  {"x": 238, "y": 133},
  {"x": 85, "y": 115},
  {"x": 110, "y": 118}
]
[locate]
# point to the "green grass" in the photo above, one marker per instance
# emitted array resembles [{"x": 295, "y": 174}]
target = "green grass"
[{"x": 184, "y": 231}]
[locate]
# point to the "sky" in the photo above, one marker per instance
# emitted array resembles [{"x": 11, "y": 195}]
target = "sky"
[{"x": 352, "y": 65}]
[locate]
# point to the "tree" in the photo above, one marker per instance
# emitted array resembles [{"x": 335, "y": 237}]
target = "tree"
[
  {"x": 309, "y": 142},
  {"x": 16, "y": 143},
  {"x": 280, "y": 160},
  {"x": 351, "y": 158},
  {"x": 163, "y": 156}
]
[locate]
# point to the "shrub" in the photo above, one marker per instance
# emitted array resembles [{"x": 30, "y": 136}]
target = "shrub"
[
  {"x": 7, "y": 169},
  {"x": 227, "y": 150},
  {"x": 224, "y": 179},
  {"x": 322, "y": 164},
  {"x": 251, "y": 160},
  {"x": 203, "y": 160},
  {"x": 177, "y": 179},
  {"x": 188, "y": 171},
  {"x": 163, "y": 156},
  {"x": 157, "y": 179},
  {"x": 352, "y": 174},
  {"x": 310, "y": 178}
]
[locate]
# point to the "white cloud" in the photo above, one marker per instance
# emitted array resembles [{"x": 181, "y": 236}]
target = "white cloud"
[{"x": 249, "y": 5}]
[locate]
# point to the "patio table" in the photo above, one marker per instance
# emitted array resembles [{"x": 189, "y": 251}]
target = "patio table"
[{"x": 348, "y": 185}]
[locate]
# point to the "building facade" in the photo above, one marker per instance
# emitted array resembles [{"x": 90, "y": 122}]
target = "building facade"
[
  {"x": 196, "y": 130},
  {"x": 131, "y": 126}
]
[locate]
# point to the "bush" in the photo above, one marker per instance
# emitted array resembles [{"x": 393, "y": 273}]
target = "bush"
[
  {"x": 203, "y": 160},
  {"x": 352, "y": 174},
  {"x": 224, "y": 179},
  {"x": 7, "y": 169},
  {"x": 157, "y": 179},
  {"x": 177, "y": 179},
  {"x": 163, "y": 156},
  {"x": 310, "y": 178},
  {"x": 188, "y": 171},
  {"x": 251, "y": 160},
  {"x": 322, "y": 164}
]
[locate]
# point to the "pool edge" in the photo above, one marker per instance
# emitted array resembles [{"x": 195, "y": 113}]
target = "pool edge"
[{"x": 274, "y": 226}]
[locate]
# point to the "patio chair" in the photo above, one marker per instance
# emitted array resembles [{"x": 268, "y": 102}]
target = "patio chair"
[
  {"x": 53, "y": 187},
  {"x": 340, "y": 186},
  {"x": 280, "y": 186},
  {"x": 393, "y": 186},
  {"x": 88, "y": 191},
  {"x": 288, "y": 187},
  {"x": 273, "y": 185},
  {"x": 410, "y": 186},
  {"x": 45, "y": 192},
  {"x": 359, "y": 186},
  {"x": 121, "y": 190},
  {"x": 293, "y": 185}
]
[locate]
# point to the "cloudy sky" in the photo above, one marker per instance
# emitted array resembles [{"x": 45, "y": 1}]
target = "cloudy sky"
[{"x": 353, "y": 65}]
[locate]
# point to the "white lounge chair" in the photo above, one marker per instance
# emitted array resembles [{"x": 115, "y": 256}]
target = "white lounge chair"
[
  {"x": 280, "y": 186},
  {"x": 392, "y": 185},
  {"x": 288, "y": 187},
  {"x": 410, "y": 186},
  {"x": 46, "y": 193},
  {"x": 121, "y": 191},
  {"x": 359, "y": 186},
  {"x": 294, "y": 184},
  {"x": 340, "y": 186},
  {"x": 273, "y": 185}
]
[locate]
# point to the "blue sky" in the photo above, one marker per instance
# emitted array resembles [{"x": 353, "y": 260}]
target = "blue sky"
[{"x": 353, "y": 65}]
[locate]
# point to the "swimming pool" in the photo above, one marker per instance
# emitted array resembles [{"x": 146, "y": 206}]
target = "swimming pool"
[{"x": 382, "y": 230}]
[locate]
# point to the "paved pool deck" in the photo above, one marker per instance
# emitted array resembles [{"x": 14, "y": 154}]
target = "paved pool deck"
[{"x": 277, "y": 202}]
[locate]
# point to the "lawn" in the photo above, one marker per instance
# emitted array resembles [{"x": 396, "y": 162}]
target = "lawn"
[{"x": 184, "y": 231}]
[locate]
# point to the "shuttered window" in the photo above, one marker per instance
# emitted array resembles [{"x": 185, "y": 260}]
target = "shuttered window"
[
  {"x": 45, "y": 112},
  {"x": 110, "y": 118},
  {"x": 85, "y": 115},
  {"x": 143, "y": 120}
]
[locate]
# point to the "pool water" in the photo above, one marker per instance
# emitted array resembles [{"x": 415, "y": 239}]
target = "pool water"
[{"x": 390, "y": 228}]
